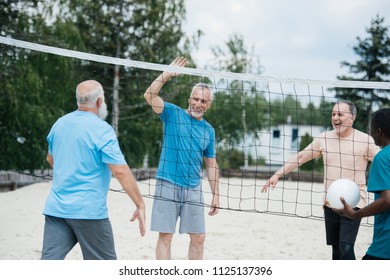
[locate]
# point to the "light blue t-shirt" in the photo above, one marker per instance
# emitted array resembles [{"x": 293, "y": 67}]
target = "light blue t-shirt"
[
  {"x": 185, "y": 142},
  {"x": 81, "y": 145},
  {"x": 379, "y": 180}
]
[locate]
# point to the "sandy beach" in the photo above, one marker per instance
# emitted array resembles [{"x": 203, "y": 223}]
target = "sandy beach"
[{"x": 231, "y": 235}]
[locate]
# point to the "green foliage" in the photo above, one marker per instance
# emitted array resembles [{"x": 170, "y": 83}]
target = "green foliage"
[
  {"x": 230, "y": 158},
  {"x": 32, "y": 94},
  {"x": 13, "y": 18},
  {"x": 290, "y": 107},
  {"x": 240, "y": 110},
  {"x": 38, "y": 88},
  {"x": 314, "y": 164},
  {"x": 30, "y": 106}
]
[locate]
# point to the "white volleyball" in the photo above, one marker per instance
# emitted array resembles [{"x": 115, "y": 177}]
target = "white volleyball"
[{"x": 345, "y": 188}]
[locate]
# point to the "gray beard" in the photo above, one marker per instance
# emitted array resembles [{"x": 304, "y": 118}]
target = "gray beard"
[
  {"x": 195, "y": 114},
  {"x": 102, "y": 113}
]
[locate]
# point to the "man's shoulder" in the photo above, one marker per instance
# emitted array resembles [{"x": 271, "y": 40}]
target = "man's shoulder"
[
  {"x": 86, "y": 119},
  {"x": 208, "y": 124},
  {"x": 360, "y": 133},
  {"x": 171, "y": 109},
  {"x": 168, "y": 105},
  {"x": 362, "y": 137}
]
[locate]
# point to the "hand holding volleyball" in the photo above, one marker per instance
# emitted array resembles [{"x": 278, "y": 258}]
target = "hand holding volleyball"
[{"x": 346, "y": 189}]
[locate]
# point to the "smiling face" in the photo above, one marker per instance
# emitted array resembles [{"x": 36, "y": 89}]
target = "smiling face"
[
  {"x": 342, "y": 119},
  {"x": 199, "y": 102}
]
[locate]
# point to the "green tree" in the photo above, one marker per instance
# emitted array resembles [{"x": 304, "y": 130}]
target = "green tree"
[
  {"x": 31, "y": 95},
  {"x": 373, "y": 65},
  {"x": 287, "y": 109},
  {"x": 140, "y": 30},
  {"x": 239, "y": 107},
  {"x": 13, "y": 16},
  {"x": 230, "y": 158},
  {"x": 314, "y": 164},
  {"x": 132, "y": 29},
  {"x": 310, "y": 115}
]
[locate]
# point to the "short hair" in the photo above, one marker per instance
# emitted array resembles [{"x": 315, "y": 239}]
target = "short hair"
[
  {"x": 203, "y": 85},
  {"x": 381, "y": 119},
  {"x": 89, "y": 98},
  {"x": 351, "y": 106}
]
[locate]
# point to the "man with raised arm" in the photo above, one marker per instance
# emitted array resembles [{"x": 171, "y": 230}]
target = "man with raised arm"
[{"x": 188, "y": 140}]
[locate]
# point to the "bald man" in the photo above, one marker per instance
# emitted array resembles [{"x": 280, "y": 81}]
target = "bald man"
[{"x": 84, "y": 152}]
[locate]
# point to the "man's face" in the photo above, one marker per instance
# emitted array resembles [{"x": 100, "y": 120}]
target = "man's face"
[
  {"x": 199, "y": 102},
  {"x": 342, "y": 118}
]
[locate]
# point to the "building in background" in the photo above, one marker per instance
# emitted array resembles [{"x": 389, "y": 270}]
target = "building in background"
[{"x": 277, "y": 144}]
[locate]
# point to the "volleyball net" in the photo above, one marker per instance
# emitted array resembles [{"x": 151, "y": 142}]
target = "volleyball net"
[{"x": 260, "y": 121}]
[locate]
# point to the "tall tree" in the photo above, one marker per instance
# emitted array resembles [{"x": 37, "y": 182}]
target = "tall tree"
[
  {"x": 134, "y": 29},
  {"x": 373, "y": 65},
  {"x": 29, "y": 89},
  {"x": 13, "y": 16},
  {"x": 239, "y": 107}
]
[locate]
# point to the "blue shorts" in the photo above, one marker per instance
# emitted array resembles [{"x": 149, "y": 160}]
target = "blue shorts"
[{"x": 171, "y": 202}]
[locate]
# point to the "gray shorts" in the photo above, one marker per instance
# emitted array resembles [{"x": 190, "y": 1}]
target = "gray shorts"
[
  {"x": 171, "y": 202},
  {"x": 94, "y": 236}
]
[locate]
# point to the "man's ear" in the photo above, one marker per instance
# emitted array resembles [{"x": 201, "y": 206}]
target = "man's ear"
[{"x": 99, "y": 102}]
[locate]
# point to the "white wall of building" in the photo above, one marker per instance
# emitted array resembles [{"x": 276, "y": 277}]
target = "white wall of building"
[{"x": 279, "y": 143}]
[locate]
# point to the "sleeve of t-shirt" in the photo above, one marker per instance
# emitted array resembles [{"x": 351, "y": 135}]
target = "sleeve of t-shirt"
[
  {"x": 109, "y": 148},
  {"x": 379, "y": 177},
  {"x": 210, "y": 150},
  {"x": 168, "y": 107},
  {"x": 49, "y": 140}
]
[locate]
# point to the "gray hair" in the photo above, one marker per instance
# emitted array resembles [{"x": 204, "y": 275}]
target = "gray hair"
[
  {"x": 89, "y": 98},
  {"x": 203, "y": 85},
  {"x": 351, "y": 106}
]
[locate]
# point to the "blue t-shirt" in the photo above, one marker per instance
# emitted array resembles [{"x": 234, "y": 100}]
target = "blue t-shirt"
[
  {"x": 81, "y": 145},
  {"x": 185, "y": 142},
  {"x": 379, "y": 180}
]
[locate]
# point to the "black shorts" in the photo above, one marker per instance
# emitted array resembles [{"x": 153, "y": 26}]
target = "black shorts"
[{"x": 340, "y": 229}]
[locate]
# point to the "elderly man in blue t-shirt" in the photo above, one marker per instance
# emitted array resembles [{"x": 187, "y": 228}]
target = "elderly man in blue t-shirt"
[
  {"x": 84, "y": 154},
  {"x": 188, "y": 140}
]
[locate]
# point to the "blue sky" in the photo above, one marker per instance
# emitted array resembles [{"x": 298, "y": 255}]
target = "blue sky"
[{"x": 304, "y": 39}]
